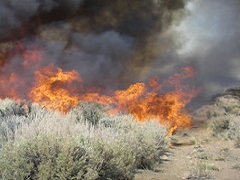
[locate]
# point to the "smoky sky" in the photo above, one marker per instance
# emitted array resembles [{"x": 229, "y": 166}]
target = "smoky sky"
[
  {"x": 108, "y": 42},
  {"x": 211, "y": 39},
  {"x": 115, "y": 43}
]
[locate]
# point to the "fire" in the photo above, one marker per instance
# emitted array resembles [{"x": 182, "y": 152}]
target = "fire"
[
  {"x": 32, "y": 56},
  {"x": 145, "y": 101},
  {"x": 17, "y": 66},
  {"x": 55, "y": 89},
  {"x": 52, "y": 88}
]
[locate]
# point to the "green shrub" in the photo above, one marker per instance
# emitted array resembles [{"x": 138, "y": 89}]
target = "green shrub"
[
  {"x": 50, "y": 145},
  {"x": 227, "y": 123},
  {"x": 12, "y": 116},
  {"x": 229, "y": 103},
  {"x": 202, "y": 170},
  {"x": 227, "y": 127},
  {"x": 234, "y": 130},
  {"x": 9, "y": 107},
  {"x": 50, "y": 157},
  {"x": 8, "y": 127},
  {"x": 115, "y": 160},
  {"x": 220, "y": 126},
  {"x": 43, "y": 158},
  {"x": 15, "y": 115},
  {"x": 88, "y": 112},
  {"x": 146, "y": 139}
]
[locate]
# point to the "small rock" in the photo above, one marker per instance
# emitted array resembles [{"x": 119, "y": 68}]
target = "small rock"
[{"x": 164, "y": 158}]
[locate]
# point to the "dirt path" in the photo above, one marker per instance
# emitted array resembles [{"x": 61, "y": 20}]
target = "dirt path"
[{"x": 207, "y": 158}]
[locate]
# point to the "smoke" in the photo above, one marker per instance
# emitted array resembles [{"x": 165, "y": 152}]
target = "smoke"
[
  {"x": 116, "y": 43},
  {"x": 109, "y": 40},
  {"x": 14, "y": 13},
  {"x": 210, "y": 38}
]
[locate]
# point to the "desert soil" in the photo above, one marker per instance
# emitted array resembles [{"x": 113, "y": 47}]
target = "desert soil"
[{"x": 196, "y": 154}]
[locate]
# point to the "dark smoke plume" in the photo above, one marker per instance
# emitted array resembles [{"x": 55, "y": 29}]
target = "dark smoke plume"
[
  {"x": 14, "y": 13},
  {"x": 110, "y": 41},
  {"x": 113, "y": 43}
]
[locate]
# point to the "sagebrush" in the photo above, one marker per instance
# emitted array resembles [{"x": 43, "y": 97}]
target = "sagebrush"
[
  {"x": 86, "y": 143},
  {"x": 226, "y": 123}
]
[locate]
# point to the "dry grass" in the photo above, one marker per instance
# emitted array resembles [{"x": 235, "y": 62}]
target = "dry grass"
[
  {"x": 227, "y": 123},
  {"x": 86, "y": 143}
]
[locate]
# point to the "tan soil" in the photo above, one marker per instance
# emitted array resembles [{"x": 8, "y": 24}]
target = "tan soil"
[{"x": 186, "y": 158}]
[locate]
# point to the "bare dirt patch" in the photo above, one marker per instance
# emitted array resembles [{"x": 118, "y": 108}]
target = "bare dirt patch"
[{"x": 208, "y": 157}]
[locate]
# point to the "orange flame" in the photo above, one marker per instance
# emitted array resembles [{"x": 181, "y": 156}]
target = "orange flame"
[
  {"x": 145, "y": 102},
  {"x": 61, "y": 90},
  {"x": 52, "y": 88}
]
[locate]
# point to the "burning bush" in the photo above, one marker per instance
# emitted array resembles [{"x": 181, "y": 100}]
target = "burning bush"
[
  {"x": 54, "y": 146},
  {"x": 102, "y": 67}
]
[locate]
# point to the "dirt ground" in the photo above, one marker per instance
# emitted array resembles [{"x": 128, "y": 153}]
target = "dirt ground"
[{"x": 196, "y": 154}]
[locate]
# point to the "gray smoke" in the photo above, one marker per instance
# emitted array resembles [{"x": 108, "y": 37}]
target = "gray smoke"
[
  {"x": 100, "y": 58},
  {"x": 13, "y": 13},
  {"x": 209, "y": 37},
  {"x": 116, "y": 43},
  {"x": 109, "y": 42}
]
